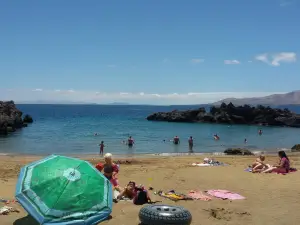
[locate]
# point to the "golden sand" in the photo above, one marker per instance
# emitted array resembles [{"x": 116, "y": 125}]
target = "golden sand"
[{"x": 270, "y": 198}]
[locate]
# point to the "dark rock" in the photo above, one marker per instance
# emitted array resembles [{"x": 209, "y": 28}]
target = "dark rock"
[
  {"x": 10, "y": 118},
  {"x": 230, "y": 114},
  {"x": 296, "y": 148},
  {"x": 27, "y": 119},
  {"x": 237, "y": 151}
]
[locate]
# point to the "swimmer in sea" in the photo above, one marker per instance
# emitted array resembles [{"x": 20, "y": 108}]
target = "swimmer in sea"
[
  {"x": 216, "y": 137},
  {"x": 260, "y": 132},
  {"x": 191, "y": 143},
  {"x": 130, "y": 142},
  {"x": 176, "y": 140}
]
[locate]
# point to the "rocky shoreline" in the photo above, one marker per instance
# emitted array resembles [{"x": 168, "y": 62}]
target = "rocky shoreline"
[
  {"x": 11, "y": 118},
  {"x": 230, "y": 114}
]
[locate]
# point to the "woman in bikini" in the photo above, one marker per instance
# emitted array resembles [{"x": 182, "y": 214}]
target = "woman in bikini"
[
  {"x": 110, "y": 170},
  {"x": 282, "y": 167}
]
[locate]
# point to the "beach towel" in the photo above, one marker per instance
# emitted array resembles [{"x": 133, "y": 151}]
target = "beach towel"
[
  {"x": 224, "y": 194},
  {"x": 248, "y": 169},
  {"x": 174, "y": 196},
  {"x": 201, "y": 164},
  {"x": 290, "y": 171},
  {"x": 198, "y": 195}
]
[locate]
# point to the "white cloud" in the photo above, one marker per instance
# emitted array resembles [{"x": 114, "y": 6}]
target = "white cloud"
[
  {"x": 231, "y": 62},
  {"x": 93, "y": 96},
  {"x": 38, "y": 89},
  {"x": 197, "y": 61},
  {"x": 277, "y": 58}
]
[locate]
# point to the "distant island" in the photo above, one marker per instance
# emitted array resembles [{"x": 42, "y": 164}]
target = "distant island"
[
  {"x": 230, "y": 114},
  {"x": 11, "y": 118},
  {"x": 291, "y": 98}
]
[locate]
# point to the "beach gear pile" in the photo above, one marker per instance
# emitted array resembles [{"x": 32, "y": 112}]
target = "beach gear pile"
[
  {"x": 64, "y": 191},
  {"x": 209, "y": 162}
]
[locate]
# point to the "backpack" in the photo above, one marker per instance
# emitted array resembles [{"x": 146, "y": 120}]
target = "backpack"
[{"x": 141, "y": 197}]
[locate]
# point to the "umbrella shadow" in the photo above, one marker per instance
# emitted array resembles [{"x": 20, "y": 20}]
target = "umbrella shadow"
[{"x": 27, "y": 220}]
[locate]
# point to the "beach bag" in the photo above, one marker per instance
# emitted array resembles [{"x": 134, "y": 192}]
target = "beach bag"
[{"x": 141, "y": 197}]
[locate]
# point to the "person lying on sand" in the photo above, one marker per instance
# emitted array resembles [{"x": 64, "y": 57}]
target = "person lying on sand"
[
  {"x": 282, "y": 167},
  {"x": 110, "y": 170}
]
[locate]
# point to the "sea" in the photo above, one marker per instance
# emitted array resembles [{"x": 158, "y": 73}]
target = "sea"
[{"x": 71, "y": 129}]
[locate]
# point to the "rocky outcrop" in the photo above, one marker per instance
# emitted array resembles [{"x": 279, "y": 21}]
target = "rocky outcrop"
[
  {"x": 296, "y": 148},
  {"x": 11, "y": 118},
  {"x": 230, "y": 114},
  {"x": 237, "y": 151}
]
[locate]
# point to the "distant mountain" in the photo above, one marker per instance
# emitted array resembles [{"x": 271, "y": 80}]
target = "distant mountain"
[
  {"x": 118, "y": 103},
  {"x": 54, "y": 102},
  {"x": 291, "y": 98}
]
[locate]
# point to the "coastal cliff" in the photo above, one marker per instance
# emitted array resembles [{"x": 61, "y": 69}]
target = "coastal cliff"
[
  {"x": 230, "y": 114},
  {"x": 11, "y": 118}
]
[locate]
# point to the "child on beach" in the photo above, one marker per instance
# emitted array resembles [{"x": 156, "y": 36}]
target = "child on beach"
[
  {"x": 102, "y": 148},
  {"x": 110, "y": 170},
  {"x": 259, "y": 164}
]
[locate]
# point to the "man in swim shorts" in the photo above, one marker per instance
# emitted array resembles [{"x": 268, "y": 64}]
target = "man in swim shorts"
[
  {"x": 176, "y": 140},
  {"x": 130, "y": 142}
]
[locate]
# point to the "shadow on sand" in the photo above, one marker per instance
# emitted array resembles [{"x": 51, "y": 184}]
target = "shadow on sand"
[{"x": 27, "y": 220}]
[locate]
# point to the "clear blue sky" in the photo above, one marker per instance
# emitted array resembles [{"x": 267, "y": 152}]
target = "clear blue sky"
[{"x": 150, "y": 46}]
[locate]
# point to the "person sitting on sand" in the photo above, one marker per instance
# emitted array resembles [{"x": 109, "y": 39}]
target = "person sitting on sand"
[
  {"x": 110, "y": 170},
  {"x": 129, "y": 191},
  {"x": 132, "y": 192},
  {"x": 282, "y": 167},
  {"x": 259, "y": 164},
  {"x": 176, "y": 140}
]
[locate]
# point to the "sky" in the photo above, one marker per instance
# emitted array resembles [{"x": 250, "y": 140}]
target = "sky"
[{"x": 148, "y": 51}]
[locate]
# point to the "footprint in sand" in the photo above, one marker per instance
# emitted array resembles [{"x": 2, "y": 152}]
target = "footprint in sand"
[{"x": 224, "y": 214}]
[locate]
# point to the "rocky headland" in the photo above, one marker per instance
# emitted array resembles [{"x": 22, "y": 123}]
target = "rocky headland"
[
  {"x": 230, "y": 114},
  {"x": 12, "y": 118}
]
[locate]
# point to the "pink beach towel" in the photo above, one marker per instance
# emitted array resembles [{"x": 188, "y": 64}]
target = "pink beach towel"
[
  {"x": 283, "y": 173},
  {"x": 224, "y": 194},
  {"x": 198, "y": 195}
]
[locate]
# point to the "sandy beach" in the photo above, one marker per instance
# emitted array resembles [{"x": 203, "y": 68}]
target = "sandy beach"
[{"x": 270, "y": 198}]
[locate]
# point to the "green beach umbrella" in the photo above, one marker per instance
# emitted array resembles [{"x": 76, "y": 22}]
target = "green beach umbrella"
[{"x": 64, "y": 191}]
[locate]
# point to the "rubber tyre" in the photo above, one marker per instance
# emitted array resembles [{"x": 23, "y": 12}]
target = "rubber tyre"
[{"x": 164, "y": 215}]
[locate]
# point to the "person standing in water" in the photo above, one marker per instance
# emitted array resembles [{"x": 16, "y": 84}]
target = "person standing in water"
[
  {"x": 260, "y": 132},
  {"x": 191, "y": 143},
  {"x": 176, "y": 140},
  {"x": 101, "y": 147},
  {"x": 130, "y": 142},
  {"x": 245, "y": 141}
]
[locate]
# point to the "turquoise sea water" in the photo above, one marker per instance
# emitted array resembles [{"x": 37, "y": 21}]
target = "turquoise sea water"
[{"x": 69, "y": 129}]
